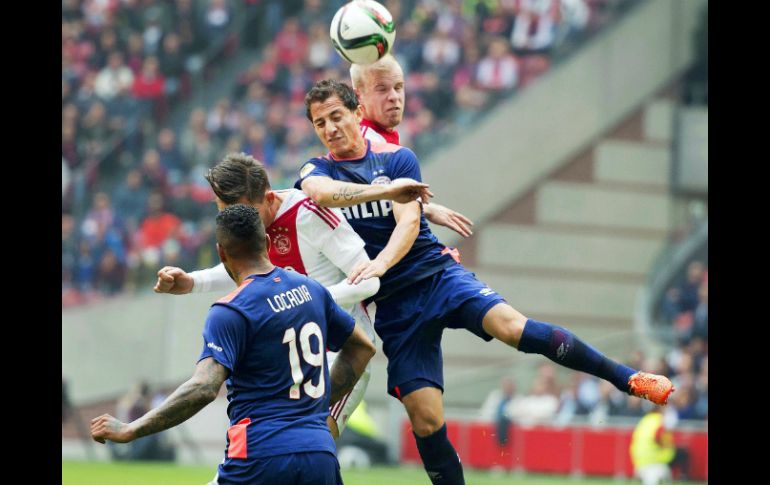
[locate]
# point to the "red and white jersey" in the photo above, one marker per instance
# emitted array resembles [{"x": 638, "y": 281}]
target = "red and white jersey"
[
  {"x": 313, "y": 240},
  {"x": 374, "y": 132}
]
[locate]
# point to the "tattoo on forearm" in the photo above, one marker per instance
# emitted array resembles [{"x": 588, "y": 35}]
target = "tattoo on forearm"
[
  {"x": 343, "y": 378},
  {"x": 188, "y": 399},
  {"x": 347, "y": 194}
]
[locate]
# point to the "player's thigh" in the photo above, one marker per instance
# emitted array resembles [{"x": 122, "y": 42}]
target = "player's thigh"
[
  {"x": 425, "y": 408},
  {"x": 504, "y": 323},
  {"x": 316, "y": 468}
]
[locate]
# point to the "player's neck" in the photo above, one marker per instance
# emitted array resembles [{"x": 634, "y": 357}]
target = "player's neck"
[
  {"x": 260, "y": 267},
  {"x": 374, "y": 124}
]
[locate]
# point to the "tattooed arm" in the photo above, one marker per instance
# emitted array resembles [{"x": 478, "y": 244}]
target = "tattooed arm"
[
  {"x": 188, "y": 399},
  {"x": 350, "y": 364},
  {"x": 328, "y": 192}
]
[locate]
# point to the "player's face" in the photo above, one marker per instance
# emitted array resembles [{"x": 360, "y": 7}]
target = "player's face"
[
  {"x": 383, "y": 98},
  {"x": 337, "y": 127}
]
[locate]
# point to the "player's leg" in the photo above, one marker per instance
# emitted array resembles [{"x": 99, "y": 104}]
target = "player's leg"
[
  {"x": 342, "y": 410},
  {"x": 408, "y": 325},
  {"x": 506, "y": 324},
  {"x": 426, "y": 413}
]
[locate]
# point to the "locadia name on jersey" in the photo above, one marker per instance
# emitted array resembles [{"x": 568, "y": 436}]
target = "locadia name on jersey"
[
  {"x": 289, "y": 299},
  {"x": 375, "y": 208}
]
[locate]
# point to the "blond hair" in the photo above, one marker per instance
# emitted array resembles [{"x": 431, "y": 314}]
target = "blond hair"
[{"x": 360, "y": 72}]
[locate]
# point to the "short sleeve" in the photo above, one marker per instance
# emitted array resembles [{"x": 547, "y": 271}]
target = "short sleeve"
[
  {"x": 405, "y": 165},
  {"x": 339, "y": 324},
  {"x": 224, "y": 336},
  {"x": 312, "y": 168}
]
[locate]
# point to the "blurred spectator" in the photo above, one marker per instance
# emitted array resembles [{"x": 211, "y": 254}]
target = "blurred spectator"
[
  {"x": 158, "y": 226},
  {"x": 539, "y": 406},
  {"x": 653, "y": 452},
  {"x": 130, "y": 199},
  {"x": 291, "y": 43},
  {"x": 114, "y": 77},
  {"x": 172, "y": 60},
  {"x": 217, "y": 18},
  {"x": 497, "y": 408},
  {"x": 170, "y": 156},
  {"x": 499, "y": 70},
  {"x": 535, "y": 25}
]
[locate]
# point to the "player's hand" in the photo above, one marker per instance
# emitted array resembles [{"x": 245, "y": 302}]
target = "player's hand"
[
  {"x": 405, "y": 190},
  {"x": 106, "y": 427},
  {"x": 173, "y": 280},
  {"x": 444, "y": 216},
  {"x": 365, "y": 270}
]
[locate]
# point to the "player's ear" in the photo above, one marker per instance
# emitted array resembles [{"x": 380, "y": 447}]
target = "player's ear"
[
  {"x": 359, "y": 113},
  {"x": 267, "y": 242},
  {"x": 221, "y": 253}
]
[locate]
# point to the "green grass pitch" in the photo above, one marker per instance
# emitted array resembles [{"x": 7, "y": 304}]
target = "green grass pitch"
[{"x": 87, "y": 473}]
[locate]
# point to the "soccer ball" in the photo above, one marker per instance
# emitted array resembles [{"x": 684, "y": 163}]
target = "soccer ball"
[{"x": 362, "y": 31}]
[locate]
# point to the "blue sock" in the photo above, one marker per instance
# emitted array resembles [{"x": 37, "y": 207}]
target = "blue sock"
[
  {"x": 563, "y": 347},
  {"x": 440, "y": 458}
]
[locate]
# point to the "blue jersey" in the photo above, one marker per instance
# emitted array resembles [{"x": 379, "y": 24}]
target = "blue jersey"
[
  {"x": 272, "y": 333},
  {"x": 374, "y": 221}
]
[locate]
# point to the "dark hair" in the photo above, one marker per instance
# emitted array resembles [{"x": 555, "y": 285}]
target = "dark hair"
[
  {"x": 240, "y": 232},
  {"x": 236, "y": 176},
  {"x": 325, "y": 89}
]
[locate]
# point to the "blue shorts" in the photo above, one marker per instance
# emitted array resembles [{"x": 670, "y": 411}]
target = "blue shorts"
[
  {"x": 309, "y": 468},
  {"x": 412, "y": 321}
]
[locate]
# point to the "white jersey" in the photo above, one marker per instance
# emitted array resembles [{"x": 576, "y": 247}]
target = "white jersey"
[
  {"x": 312, "y": 240},
  {"x": 370, "y": 134}
]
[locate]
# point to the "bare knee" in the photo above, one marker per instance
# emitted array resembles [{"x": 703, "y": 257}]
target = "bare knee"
[
  {"x": 426, "y": 423},
  {"x": 425, "y": 409},
  {"x": 505, "y": 323}
]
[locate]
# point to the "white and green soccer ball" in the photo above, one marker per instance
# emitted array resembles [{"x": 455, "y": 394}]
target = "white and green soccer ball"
[{"x": 362, "y": 31}]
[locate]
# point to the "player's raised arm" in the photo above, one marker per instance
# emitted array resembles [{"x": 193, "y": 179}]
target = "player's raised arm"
[
  {"x": 335, "y": 193},
  {"x": 177, "y": 281}
]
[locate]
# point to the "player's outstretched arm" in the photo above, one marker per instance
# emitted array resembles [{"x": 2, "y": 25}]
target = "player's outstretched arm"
[
  {"x": 328, "y": 192},
  {"x": 350, "y": 363},
  {"x": 444, "y": 216},
  {"x": 400, "y": 242},
  {"x": 188, "y": 399},
  {"x": 177, "y": 281}
]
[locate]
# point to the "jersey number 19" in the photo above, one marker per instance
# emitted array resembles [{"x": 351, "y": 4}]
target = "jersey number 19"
[{"x": 316, "y": 359}]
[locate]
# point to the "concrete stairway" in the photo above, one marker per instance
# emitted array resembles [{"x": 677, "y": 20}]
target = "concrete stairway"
[{"x": 574, "y": 250}]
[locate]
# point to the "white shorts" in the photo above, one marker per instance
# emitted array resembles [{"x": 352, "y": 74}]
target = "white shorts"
[
  {"x": 341, "y": 411},
  {"x": 654, "y": 474}
]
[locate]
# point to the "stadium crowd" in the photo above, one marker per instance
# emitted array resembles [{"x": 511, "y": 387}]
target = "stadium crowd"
[
  {"x": 589, "y": 399},
  {"x": 133, "y": 193}
]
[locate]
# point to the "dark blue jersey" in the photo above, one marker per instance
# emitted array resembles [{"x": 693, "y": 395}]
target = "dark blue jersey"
[
  {"x": 272, "y": 333},
  {"x": 374, "y": 221}
]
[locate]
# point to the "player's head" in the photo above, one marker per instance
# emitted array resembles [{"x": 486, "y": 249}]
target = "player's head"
[
  {"x": 380, "y": 89},
  {"x": 333, "y": 109},
  {"x": 240, "y": 237},
  {"x": 238, "y": 179}
]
